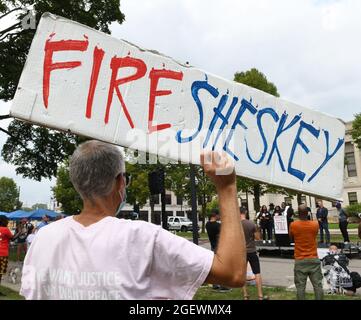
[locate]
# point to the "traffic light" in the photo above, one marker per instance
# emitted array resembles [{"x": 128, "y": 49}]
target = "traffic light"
[{"x": 156, "y": 181}]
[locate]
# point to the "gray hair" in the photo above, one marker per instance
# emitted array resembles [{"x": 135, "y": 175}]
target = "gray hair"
[{"x": 93, "y": 168}]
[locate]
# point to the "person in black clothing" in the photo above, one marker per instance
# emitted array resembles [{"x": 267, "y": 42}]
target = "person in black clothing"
[
  {"x": 265, "y": 220},
  {"x": 343, "y": 222},
  {"x": 277, "y": 211},
  {"x": 213, "y": 228},
  {"x": 322, "y": 214}
]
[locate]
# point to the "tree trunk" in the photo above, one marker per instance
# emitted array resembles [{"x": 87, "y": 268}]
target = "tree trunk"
[{"x": 257, "y": 196}]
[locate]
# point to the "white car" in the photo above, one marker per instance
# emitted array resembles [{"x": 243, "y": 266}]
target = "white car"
[{"x": 180, "y": 224}]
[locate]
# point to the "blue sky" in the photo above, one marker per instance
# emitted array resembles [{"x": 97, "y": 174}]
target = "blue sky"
[{"x": 310, "y": 49}]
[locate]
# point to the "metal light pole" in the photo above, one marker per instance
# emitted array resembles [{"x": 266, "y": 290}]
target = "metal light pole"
[{"x": 194, "y": 204}]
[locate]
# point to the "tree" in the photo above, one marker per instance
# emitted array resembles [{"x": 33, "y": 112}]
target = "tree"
[
  {"x": 65, "y": 193},
  {"x": 178, "y": 181},
  {"x": 356, "y": 130},
  {"x": 138, "y": 190},
  {"x": 36, "y": 152},
  {"x": 9, "y": 195},
  {"x": 39, "y": 206},
  {"x": 258, "y": 80}
]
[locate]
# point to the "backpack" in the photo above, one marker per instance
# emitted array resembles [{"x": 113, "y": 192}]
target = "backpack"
[{"x": 356, "y": 279}]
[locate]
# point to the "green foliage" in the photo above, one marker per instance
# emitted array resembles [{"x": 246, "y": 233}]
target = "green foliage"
[
  {"x": 214, "y": 204},
  {"x": 9, "y": 195},
  {"x": 356, "y": 130},
  {"x": 353, "y": 210},
  {"x": 40, "y": 150},
  {"x": 65, "y": 193},
  {"x": 256, "y": 79},
  {"x": 36, "y": 152},
  {"x": 27, "y": 209},
  {"x": 138, "y": 190},
  {"x": 39, "y": 206}
]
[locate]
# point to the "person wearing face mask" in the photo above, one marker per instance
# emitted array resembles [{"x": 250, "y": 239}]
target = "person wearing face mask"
[{"x": 95, "y": 255}]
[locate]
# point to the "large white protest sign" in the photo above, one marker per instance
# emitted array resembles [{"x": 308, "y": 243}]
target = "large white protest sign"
[
  {"x": 80, "y": 80},
  {"x": 280, "y": 223}
]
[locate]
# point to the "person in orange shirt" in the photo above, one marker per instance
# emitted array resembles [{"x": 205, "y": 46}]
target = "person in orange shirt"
[
  {"x": 5, "y": 237},
  {"x": 307, "y": 264}
]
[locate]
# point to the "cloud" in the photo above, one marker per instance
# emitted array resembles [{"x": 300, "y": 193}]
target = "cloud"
[{"x": 309, "y": 50}]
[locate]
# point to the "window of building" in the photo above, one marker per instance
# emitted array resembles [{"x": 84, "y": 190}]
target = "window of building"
[
  {"x": 156, "y": 198},
  {"x": 350, "y": 159},
  {"x": 352, "y": 197},
  {"x": 288, "y": 200},
  {"x": 244, "y": 203},
  {"x": 143, "y": 215},
  {"x": 304, "y": 200},
  {"x": 180, "y": 213},
  {"x": 179, "y": 201},
  {"x": 168, "y": 199}
]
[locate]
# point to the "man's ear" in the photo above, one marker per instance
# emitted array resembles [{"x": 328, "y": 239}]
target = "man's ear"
[{"x": 119, "y": 182}]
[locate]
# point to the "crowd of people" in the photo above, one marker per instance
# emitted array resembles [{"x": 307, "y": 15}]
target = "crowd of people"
[
  {"x": 265, "y": 220},
  {"x": 94, "y": 255},
  {"x": 23, "y": 236}
]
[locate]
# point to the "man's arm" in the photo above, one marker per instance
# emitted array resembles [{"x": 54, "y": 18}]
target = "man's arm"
[
  {"x": 229, "y": 264},
  {"x": 257, "y": 234},
  {"x": 290, "y": 234}
]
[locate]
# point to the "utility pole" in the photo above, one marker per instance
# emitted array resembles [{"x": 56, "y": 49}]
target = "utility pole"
[
  {"x": 162, "y": 199},
  {"x": 194, "y": 204}
]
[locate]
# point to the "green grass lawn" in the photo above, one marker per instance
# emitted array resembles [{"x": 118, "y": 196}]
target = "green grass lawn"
[
  {"x": 338, "y": 238},
  {"x": 207, "y": 293},
  {"x": 12, "y": 255},
  {"x": 9, "y": 294},
  {"x": 189, "y": 235},
  {"x": 334, "y": 226}
]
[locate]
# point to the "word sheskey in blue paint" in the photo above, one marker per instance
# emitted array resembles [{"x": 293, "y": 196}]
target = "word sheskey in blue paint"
[{"x": 221, "y": 118}]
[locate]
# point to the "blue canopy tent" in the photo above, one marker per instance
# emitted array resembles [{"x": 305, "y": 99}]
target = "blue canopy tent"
[
  {"x": 39, "y": 213},
  {"x": 18, "y": 214}
]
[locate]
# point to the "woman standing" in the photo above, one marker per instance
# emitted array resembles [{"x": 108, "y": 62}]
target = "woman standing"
[
  {"x": 277, "y": 211},
  {"x": 342, "y": 222},
  {"x": 20, "y": 236},
  {"x": 265, "y": 221},
  {"x": 5, "y": 237}
]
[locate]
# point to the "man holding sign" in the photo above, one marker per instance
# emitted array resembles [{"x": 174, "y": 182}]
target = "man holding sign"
[{"x": 94, "y": 255}]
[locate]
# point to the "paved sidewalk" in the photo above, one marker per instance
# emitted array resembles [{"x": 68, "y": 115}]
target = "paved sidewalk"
[{"x": 13, "y": 283}]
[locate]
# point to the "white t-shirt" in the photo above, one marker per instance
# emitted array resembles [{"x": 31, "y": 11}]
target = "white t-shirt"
[
  {"x": 30, "y": 238},
  {"x": 112, "y": 259}
]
